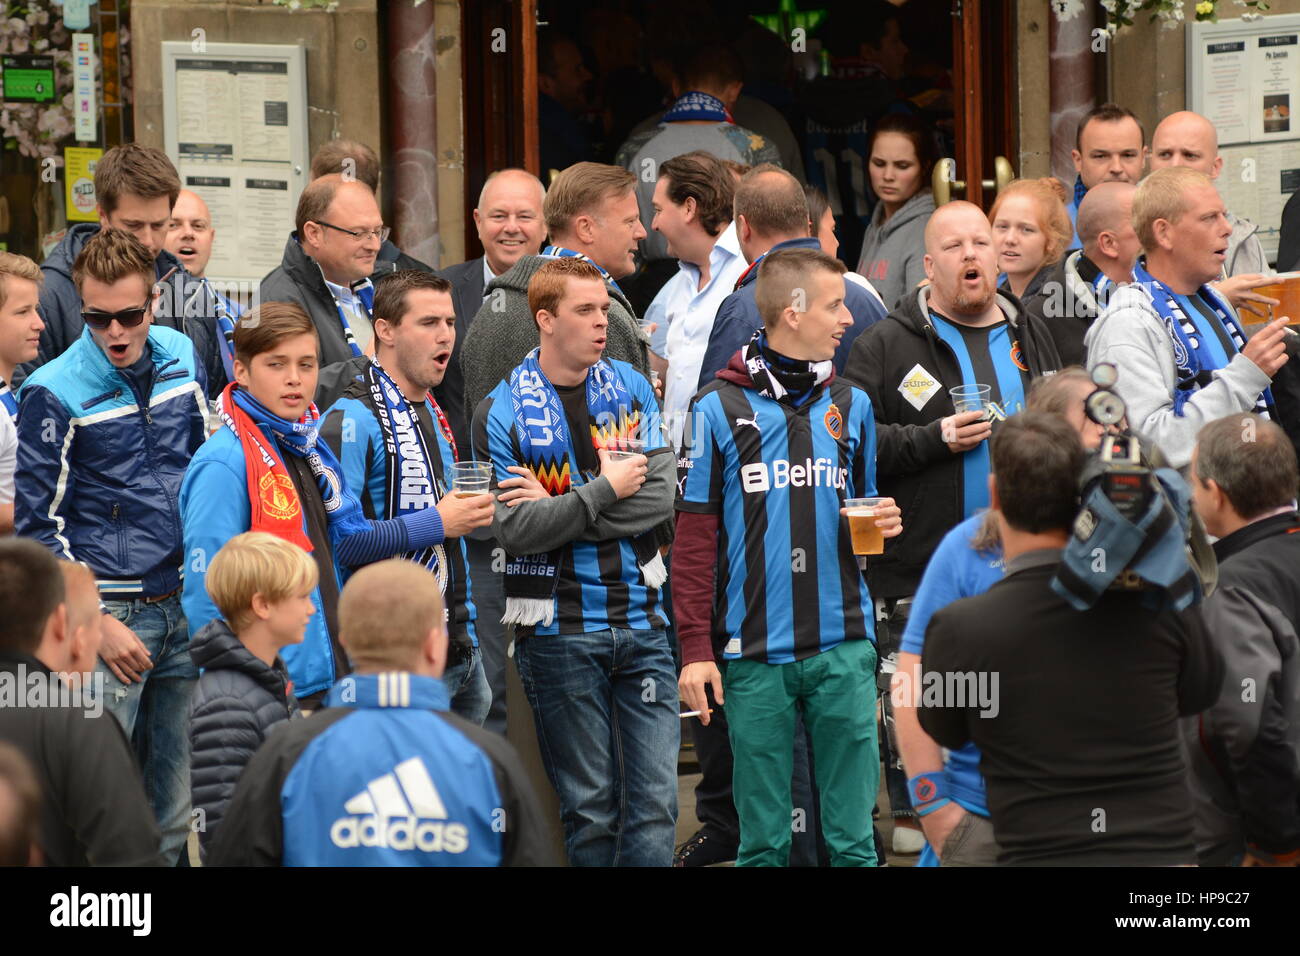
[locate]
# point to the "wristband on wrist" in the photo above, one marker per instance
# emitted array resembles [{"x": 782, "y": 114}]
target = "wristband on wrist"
[
  {"x": 932, "y": 806},
  {"x": 926, "y": 788}
]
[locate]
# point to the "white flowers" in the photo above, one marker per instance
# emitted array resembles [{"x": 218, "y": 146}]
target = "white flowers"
[{"x": 1066, "y": 10}]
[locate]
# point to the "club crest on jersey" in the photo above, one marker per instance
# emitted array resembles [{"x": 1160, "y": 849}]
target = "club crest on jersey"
[
  {"x": 1018, "y": 356},
  {"x": 834, "y": 422}
]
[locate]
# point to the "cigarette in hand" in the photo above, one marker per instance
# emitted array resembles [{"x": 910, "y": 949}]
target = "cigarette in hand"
[{"x": 695, "y": 713}]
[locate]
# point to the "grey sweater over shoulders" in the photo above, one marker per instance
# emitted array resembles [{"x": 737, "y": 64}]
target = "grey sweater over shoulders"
[{"x": 503, "y": 332}]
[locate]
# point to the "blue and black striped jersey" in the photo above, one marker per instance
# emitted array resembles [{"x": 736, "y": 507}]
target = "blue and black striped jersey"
[
  {"x": 600, "y": 583},
  {"x": 987, "y": 356},
  {"x": 789, "y": 586}
]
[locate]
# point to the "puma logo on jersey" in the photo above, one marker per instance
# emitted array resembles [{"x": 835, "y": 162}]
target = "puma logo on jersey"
[
  {"x": 751, "y": 422},
  {"x": 401, "y": 810}
]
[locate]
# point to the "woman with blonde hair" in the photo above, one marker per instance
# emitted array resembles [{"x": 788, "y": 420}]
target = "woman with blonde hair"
[{"x": 1031, "y": 232}]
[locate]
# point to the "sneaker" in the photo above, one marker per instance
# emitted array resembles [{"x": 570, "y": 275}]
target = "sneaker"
[
  {"x": 908, "y": 840},
  {"x": 703, "y": 850}
]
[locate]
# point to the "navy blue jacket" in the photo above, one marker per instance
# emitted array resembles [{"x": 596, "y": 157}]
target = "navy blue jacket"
[
  {"x": 738, "y": 317},
  {"x": 181, "y": 306},
  {"x": 99, "y": 470},
  {"x": 385, "y": 775},
  {"x": 237, "y": 702}
]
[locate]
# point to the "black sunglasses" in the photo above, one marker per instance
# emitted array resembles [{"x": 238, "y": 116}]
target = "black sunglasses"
[{"x": 127, "y": 318}]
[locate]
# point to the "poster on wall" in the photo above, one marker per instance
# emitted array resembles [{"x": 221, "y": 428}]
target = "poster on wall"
[
  {"x": 79, "y": 178},
  {"x": 1244, "y": 76},
  {"x": 235, "y": 123}
]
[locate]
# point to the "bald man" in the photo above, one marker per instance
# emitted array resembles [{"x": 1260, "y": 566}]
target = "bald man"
[
  {"x": 958, "y": 330},
  {"x": 1078, "y": 288},
  {"x": 190, "y": 237},
  {"x": 1189, "y": 139}
]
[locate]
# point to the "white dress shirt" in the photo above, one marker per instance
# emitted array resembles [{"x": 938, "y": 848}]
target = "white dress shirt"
[{"x": 685, "y": 314}]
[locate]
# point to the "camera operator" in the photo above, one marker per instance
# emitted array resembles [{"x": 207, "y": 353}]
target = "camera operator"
[{"x": 1080, "y": 738}]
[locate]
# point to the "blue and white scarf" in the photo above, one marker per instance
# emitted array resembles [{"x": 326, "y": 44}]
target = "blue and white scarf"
[
  {"x": 1191, "y": 357},
  {"x": 8, "y": 401},
  {"x": 543, "y": 435},
  {"x": 559, "y": 252},
  {"x": 696, "y": 106},
  {"x": 411, "y": 478},
  {"x": 364, "y": 291},
  {"x": 225, "y": 329}
]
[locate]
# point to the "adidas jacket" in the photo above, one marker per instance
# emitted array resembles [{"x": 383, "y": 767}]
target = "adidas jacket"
[{"x": 384, "y": 776}]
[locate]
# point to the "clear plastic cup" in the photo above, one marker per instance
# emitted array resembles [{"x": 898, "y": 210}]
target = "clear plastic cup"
[
  {"x": 970, "y": 398},
  {"x": 621, "y": 448},
  {"x": 471, "y": 478}
]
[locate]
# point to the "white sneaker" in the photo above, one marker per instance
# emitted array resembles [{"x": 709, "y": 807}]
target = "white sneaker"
[{"x": 908, "y": 841}]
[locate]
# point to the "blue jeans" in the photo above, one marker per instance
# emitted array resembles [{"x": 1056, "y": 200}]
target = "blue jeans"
[
  {"x": 156, "y": 713},
  {"x": 468, "y": 688},
  {"x": 605, "y": 706}
]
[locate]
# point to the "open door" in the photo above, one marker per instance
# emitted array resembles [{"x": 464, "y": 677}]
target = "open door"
[
  {"x": 985, "y": 122},
  {"x": 499, "y": 80}
]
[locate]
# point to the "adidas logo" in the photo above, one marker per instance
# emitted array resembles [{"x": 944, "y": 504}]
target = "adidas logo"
[{"x": 400, "y": 811}]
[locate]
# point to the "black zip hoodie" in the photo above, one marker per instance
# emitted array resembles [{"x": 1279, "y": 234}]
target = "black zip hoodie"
[{"x": 913, "y": 465}]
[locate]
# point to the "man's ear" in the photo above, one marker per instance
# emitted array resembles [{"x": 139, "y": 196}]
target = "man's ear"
[
  {"x": 1160, "y": 230},
  {"x": 743, "y": 231},
  {"x": 584, "y": 227},
  {"x": 241, "y": 373},
  {"x": 1078, "y": 160},
  {"x": 384, "y": 331},
  {"x": 1107, "y": 244},
  {"x": 435, "y": 650},
  {"x": 928, "y": 262},
  {"x": 994, "y": 501},
  {"x": 731, "y": 94},
  {"x": 691, "y": 210},
  {"x": 545, "y": 321}
]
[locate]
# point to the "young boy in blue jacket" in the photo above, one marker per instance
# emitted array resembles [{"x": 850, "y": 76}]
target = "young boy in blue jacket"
[{"x": 267, "y": 470}]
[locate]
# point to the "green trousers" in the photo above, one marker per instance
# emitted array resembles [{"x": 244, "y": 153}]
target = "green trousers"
[{"x": 836, "y": 691}]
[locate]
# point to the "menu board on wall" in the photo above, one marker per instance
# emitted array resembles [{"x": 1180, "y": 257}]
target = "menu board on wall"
[
  {"x": 235, "y": 118},
  {"x": 1244, "y": 76}
]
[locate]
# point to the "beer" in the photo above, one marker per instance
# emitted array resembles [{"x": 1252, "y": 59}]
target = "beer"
[
  {"x": 1287, "y": 291},
  {"x": 462, "y": 493},
  {"x": 867, "y": 538}
]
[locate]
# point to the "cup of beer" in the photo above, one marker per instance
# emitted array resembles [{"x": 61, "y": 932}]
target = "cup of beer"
[
  {"x": 970, "y": 398},
  {"x": 471, "y": 478},
  {"x": 621, "y": 448},
  {"x": 867, "y": 538},
  {"x": 1286, "y": 289}
]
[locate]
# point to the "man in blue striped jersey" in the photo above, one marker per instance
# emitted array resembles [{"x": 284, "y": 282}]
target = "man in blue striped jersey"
[
  {"x": 582, "y": 586},
  {"x": 778, "y": 445}
]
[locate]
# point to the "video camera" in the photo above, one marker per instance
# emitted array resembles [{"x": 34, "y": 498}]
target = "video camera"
[{"x": 1135, "y": 529}]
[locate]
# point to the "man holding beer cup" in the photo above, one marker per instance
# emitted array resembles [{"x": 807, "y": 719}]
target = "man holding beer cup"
[
  {"x": 776, "y": 450},
  {"x": 397, "y": 450}
]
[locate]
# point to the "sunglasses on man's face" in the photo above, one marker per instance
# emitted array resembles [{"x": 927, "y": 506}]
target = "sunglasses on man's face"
[{"x": 127, "y": 318}]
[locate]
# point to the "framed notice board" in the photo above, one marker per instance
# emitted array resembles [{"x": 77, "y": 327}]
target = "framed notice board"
[
  {"x": 235, "y": 125},
  {"x": 1244, "y": 76}
]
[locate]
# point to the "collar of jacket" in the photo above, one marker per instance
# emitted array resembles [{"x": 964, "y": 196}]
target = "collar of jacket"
[
  {"x": 215, "y": 647},
  {"x": 751, "y": 273},
  {"x": 1255, "y": 532},
  {"x": 108, "y": 373},
  {"x": 389, "y": 689},
  {"x": 916, "y": 311},
  {"x": 518, "y": 275},
  {"x": 304, "y": 271}
]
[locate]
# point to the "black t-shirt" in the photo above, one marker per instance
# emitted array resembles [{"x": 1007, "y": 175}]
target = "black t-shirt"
[
  {"x": 1080, "y": 738},
  {"x": 574, "y": 399}
]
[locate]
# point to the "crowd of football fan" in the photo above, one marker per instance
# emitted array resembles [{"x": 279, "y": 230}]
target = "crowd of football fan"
[{"x": 271, "y": 555}]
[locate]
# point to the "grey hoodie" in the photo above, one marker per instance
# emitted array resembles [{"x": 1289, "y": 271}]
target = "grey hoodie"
[
  {"x": 893, "y": 249},
  {"x": 1131, "y": 335},
  {"x": 1245, "y": 254}
]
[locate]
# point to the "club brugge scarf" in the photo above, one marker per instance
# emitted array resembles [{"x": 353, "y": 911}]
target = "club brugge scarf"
[
  {"x": 7, "y": 400},
  {"x": 560, "y": 252},
  {"x": 412, "y": 480},
  {"x": 696, "y": 106},
  {"x": 1190, "y": 354},
  {"x": 271, "y": 494},
  {"x": 543, "y": 432},
  {"x": 225, "y": 329},
  {"x": 767, "y": 370}
]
